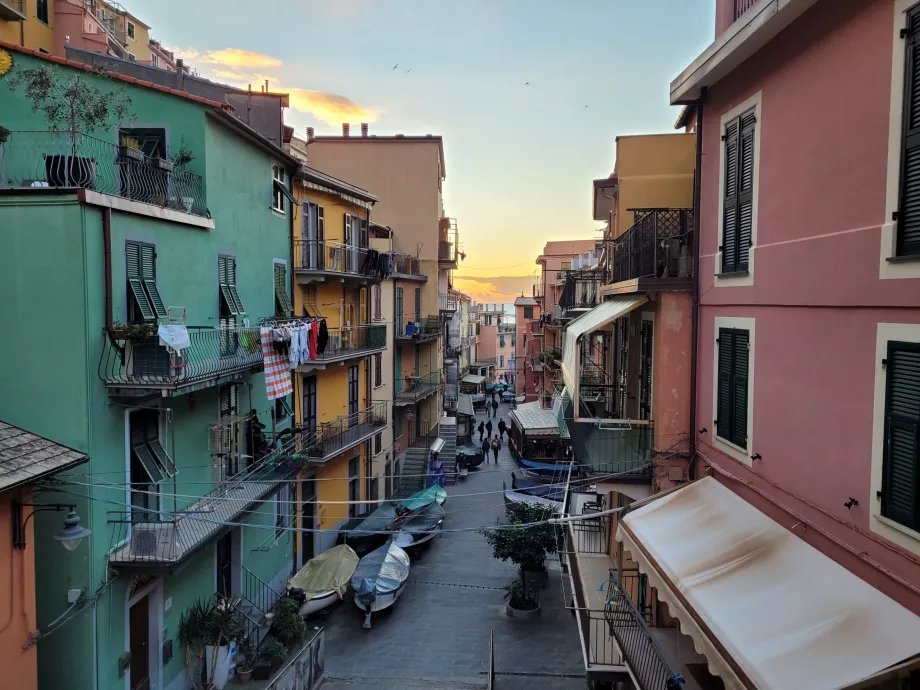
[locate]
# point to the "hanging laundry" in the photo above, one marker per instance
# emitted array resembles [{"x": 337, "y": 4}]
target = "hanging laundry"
[
  {"x": 322, "y": 338},
  {"x": 174, "y": 337},
  {"x": 277, "y": 376},
  {"x": 314, "y": 337}
]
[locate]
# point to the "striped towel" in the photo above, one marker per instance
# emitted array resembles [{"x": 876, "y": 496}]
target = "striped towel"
[{"x": 277, "y": 370}]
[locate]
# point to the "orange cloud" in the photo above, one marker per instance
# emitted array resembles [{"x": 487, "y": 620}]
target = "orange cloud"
[
  {"x": 328, "y": 107},
  {"x": 238, "y": 57}
]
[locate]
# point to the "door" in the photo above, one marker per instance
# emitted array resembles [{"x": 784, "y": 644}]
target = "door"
[
  {"x": 352, "y": 391},
  {"x": 139, "y": 632},
  {"x": 397, "y": 373},
  {"x": 400, "y": 317},
  {"x": 225, "y": 565},
  {"x": 418, "y": 304},
  {"x": 307, "y": 519},
  {"x": 309, "y": 404}
]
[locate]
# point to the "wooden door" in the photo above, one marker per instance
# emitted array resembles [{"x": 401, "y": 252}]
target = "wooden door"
[{"x": 139, "y": 631}]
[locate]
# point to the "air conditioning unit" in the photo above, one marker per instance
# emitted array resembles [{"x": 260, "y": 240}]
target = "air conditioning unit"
[{"x": 155, "y": 541}]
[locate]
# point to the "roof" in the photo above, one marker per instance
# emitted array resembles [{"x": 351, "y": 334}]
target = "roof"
[
  {"x": 535, "y": 421},
  {"x": 525, "y": 302},
  {"x": 474, "y": 379},
  {"x": 26, "y": 457},
  {"x": 118, "y": 77},
  {"x": 766, "y": 608},
  {"x": 334, "y": 183},
  {"x": 465, "y": 405},
  {"x": 686, "y": 113},
  {"x": 432, "y": 138}
]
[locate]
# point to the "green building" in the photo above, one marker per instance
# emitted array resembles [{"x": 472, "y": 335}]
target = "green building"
[{"x": 179, "y": 215}]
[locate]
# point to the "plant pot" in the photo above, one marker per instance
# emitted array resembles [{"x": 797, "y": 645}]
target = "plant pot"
[
  {"x": 221, "y": 672},
  {"x": 126, "y": 153},
  {"x": 244, "y": 674},
  {"x": 163, "y": 164},
  {"x": 262, "y": 670},
  {"x": 56, "y": 170},
  {"x": 520, "y": 614}
]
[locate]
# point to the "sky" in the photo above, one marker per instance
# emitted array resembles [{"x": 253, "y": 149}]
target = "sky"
[{"x": 520, "y": 158}]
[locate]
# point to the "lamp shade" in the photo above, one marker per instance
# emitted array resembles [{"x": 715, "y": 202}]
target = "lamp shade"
[{"x": 72, "y": 534}]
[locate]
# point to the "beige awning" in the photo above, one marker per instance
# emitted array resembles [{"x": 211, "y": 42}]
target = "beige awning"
[
  {"x": 474, "y": 379},
  {"x": 594, "y": 320},
  {"x": 535, "y": 421},
  {"x": 768, "y": 610}
]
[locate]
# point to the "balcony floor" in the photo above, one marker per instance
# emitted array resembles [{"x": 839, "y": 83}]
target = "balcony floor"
[
  {"x": 348, "y": 439},
  {"x": 410, "y": 398},
  {"x": 306, "y": 276},
  {"x": 625, "y": 287},
  {"x": 338, "y": 358}
]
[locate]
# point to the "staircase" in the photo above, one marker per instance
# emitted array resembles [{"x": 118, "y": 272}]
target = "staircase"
[
  {"x": 257, "y": 599},
  {"x": 414, "y": 466},
  {"x": 448, "y": 456}
]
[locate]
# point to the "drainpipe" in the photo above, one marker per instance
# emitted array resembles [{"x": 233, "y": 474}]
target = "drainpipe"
[
  {"x": 107, "y": 263},
  {"x": 695, "y": 309}
]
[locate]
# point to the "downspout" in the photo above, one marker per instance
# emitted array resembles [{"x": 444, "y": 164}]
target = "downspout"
[
  {"x": 695, "y": 309},
  {"x": 107, "y": 264}
]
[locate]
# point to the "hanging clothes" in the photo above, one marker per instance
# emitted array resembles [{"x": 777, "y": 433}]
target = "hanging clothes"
[
  {"x": 277, "y": 376},
  {"x": 322, "y": 337},
  {"x": 314, "y": 337}
]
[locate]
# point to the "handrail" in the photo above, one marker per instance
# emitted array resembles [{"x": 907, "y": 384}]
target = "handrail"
[
  {"x": 658, "y": 245},
  {"x": 258, "y": 592},
  {"x": 335, "y": 257}
]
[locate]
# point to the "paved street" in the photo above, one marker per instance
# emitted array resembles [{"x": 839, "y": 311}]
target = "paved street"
[{"x": 438, "y": 634}]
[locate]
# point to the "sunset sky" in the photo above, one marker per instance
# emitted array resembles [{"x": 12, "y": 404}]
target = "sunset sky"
[{"x": 520, "y": 159}]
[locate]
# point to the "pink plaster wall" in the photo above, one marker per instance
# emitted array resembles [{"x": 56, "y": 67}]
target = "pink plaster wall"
[
  {"x": 673, "y": 337},
  {"x": 526, "y": 381},
  {"x": 817, "y": 297},
  {"x": 488, "y": 340}
]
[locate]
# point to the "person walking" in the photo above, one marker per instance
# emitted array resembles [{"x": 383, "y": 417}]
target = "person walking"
[
  {"x": 494, "y": 404},
  {"x": 482, "y": 428},
  {"x": 489, "y": 409},
  {"x": 489, "y": 428},
  {"x": 485, "y": 450},
  {"x": 496, "y": 446},
  {"x": 501, "y": 429}
]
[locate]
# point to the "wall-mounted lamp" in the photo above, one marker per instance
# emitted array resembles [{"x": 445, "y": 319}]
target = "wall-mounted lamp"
[
  {"x": 70, "y": 535},
  {"x": 756, "y": 456}
]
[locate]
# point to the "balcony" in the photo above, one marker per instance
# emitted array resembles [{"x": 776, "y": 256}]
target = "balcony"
[
  {"x": 655, "y": 253},
  {"x": 416, "y": 388},
  {"x": 581, "y": 293},
  {"x": 43, "y": 159},
  {"x": 538, "y": 291},
  {"x": 142, "y": 366},
  {"x": 13, "y": 10},
  {"x": 348, "y": 343},
  {"x": 483, "y": 362},
  {"x": 448, "y": 302},
  {"x": 742, "y": 6},
  {"x": 451, "y": 352},
  {"x": 343, "y": 434},
  {"x": 625, "y": 451},
  {"x": 421, "y": 330},
  {"x": 318, "y": 261},
  {"x": 535, "y": 328},
  {"x": 408, "y": 268},
  {"x": 449, "y": 243}
]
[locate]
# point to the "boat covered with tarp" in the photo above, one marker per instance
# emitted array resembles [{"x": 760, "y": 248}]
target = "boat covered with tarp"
[
  {"x": 323, "y": 580},
  {"x": 379, "y": 579},
  {"x": 525, "y": 485},
  {"x": 421, "y": 527},
  {"x": 470, "y": 455},
  {"x": 372, "y": 529},
  {"x": 420, "y": 499},
  {"x": 513, "y": 497}
]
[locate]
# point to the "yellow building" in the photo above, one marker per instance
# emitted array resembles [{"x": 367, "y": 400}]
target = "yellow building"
[
  {"x": 333, "y": 394},
  {"x": 28, "y": 23}
]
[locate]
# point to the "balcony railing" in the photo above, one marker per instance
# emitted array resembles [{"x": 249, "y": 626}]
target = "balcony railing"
[
  {"x": 322, "y": 256},
  {"x": 640, "y": 651},
  {"x": 451, "y": 351},
  {"x": 447, "y": 302},
  {"x": 333, "y": 438},
  {"x": 742, "y": 6},
  {"x": 538, "y": 290},
  {"x": 407, "y": 265},
  {"x": 147, "y": 364},
  {"x": 408, "y": 327},
  {"x": 351, "y": 341},
  {"x": 535, "y": 327},
  {"x": 658, "y": 245},
  {"x": 626, "y": 451},
  {"x": 417, "y": 388},
  {"x": 57, "y": 159},
  {"x": 448, "y": 246},
  {"x": 581, "y": 289}
]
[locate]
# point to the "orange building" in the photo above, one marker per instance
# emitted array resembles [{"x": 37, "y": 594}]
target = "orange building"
[{"x": 24, "y": 459}]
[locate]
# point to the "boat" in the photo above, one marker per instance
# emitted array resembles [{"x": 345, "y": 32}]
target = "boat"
[
  {"x": 513, "y": 497},
  {"x": 470, "y": 455},
  {"x": 369, "y": 530},
  {"x": 534, "y": 487},
  {"x": 323, "y": 580},
  {"x": 420, "y": 499},
  {"x": 421, "y": 527},
  {"x": 549, "y": 471},
  {"x": 379, "y": 579}
]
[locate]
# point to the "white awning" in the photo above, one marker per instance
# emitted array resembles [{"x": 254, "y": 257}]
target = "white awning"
[
  {"x": 474, "y": 379},
  {"x": 768, "y": 610},
  {"x": 535, "y": 421},
  {"x": 603, "y": 314}
]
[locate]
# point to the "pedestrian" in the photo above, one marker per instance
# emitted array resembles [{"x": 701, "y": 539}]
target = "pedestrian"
[
  {"x": 489, "y": 428},
  {"x": 495, "y": 448},
  {"x": 494, "y": 404},
  {"x": 489, "y": 408},
  {"x": 485, "y": 450},
  {"x": 482, "y": 428},
  {"x": 501, "y": 429}
]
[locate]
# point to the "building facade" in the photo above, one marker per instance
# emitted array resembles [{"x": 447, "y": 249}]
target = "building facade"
[{"x": 528, "y": 375}]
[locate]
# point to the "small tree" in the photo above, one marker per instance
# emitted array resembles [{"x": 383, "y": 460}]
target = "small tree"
[{"x": 524, "y": 546}]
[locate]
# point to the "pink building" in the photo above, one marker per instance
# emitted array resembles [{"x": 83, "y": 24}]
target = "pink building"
[
  {"x": 528, "y": 374},
  {"x": 507, "y": 339}
]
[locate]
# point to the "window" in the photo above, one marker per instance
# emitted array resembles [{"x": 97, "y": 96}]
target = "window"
[
  {"x": 150, "y": 464},
  {"x": 283, "y": 409},
  {"x": 144, "y": 303},
  {"x": 418, "y": 360},
  {"x": 378, "y": 444},
  {"x": 378, "y": 303},
  {"x": 41, "y": 11},
  {"x": 312, "y": 236},
  {"x": 131, "y": 30},
  {"x": 901, "y": 459},
  {"x": 738, "y": 192},
  {"x": 388, "y": 479},
  {"x": 132, "y": 57},
  {"x": 501, "y": 361},
  {"x": 154, "y": 59},
  {"x": 230, "y": 433},
  {"x": 528, "y": 312},
  {"x": 282, "y": 301},
  {"x": 277, "y": 187},
  {"x": 501, "y": 341},
  {"x": 732, "y": 386},
  {"x": 354, "y": 485},
  {"x": 908, "y": 213},
  {"x": 647, "y": 338},
  {"x": 418, "y": 304},
  {"x": 352, "y": 390},
  {"x": 282, "y": 510},
  {"x": 378, "y": 370},
  {"x": 566, "y": 265},
  {"x": 226, "y": 280}
]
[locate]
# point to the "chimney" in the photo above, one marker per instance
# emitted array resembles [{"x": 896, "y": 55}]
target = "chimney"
[
  {"x": 345, "y": 129},
  {"x": 363, "y": 129},
  {"x": 310, "y": 131},
  {"x": 180, "y": 74},
  {"x": 266, "y": 86}
]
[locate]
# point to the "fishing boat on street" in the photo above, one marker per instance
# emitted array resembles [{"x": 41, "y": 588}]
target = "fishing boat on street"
[{"x": 379, "y": 579}]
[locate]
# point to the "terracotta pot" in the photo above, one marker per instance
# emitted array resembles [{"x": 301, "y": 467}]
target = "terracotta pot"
[
  {"x": 244, "y": 675},
  {"x": 520, "y": 614}
]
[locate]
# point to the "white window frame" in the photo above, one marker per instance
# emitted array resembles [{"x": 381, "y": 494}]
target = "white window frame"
[
  {"x": 277, "y": 197},
  {"x": 131, "y": 56},
  {"x": 742, "y": 455},
  {"x": 154, "y": 60},
  {"x": 739, "y": 279},
  {"x": 884, "y": 527},
  {"x": 131, "y": 30},
  {"x": 895, "y": 270}
]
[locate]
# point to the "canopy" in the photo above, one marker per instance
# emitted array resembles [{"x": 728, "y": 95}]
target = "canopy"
[
  {"x": 536, "y": 421},
  {"x": 380, "y": 572},
  {"x": 330, "y": 570},
  {"x": 594, "y": 320},
  {"x": 473, "y": 378},
  {"x": 768, "y": 610},
  {"x": 420, "y": 499},
  {"x": 465, "y": 405}
]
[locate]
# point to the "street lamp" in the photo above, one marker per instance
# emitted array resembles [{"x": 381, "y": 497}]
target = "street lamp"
[{"x": 70, "y": 535}]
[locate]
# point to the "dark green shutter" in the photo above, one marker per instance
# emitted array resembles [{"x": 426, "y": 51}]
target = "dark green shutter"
[
  {"x": 645, "y": 374},
  {"x": 724, "y": 384},
  {"x": 139, "y": 423},
  {"x": 901, "y": 474},
  {"x": 148, "y": 261},
  {"x": 283, "y": 303},
  {"x": 745, "y": 190},
  {"x": 156, "y": 448},
  {"x": 226, "y": 266},
  {"x": 739, "y": 389},
  {"x": 135, "y": 276},
  {"x": 908, "y": 242},
  {"x": 730, "y": 200},
  {"x": 231, "y": 283},
  {"x": 418, "y": 304}
]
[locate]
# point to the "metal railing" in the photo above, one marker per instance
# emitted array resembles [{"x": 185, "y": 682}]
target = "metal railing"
[
  {"x": 640, "y": 651},
  {"x": 261, "y": 595},
  {"x": 659, "y": 244},
  {"x": 742, "y": 6},
  {"x": 447, "y": 302},
  {"x": 538, "y": 290},
  {"x": 58, "y": 159},
  {"x": 581, "y": 289},
  {"x": 425, "y": 328},
  {"x": 17, "y": 6},
  {"x": 624, "y": 451},
  {"x": 352, "y": 340},
  {"x": 449, "y": 242},
  {"x": 335, "y": 257},
  {"x": 419, "y": 387},
  {"x": 146, "y": 363},
  {"x": 535, "y": 327},
  {"x": 332, "y": 438},
  {"x": 408, "y": 265},
  {"x": 451, "y": 351},
  {"x": 592, "y": 535}
]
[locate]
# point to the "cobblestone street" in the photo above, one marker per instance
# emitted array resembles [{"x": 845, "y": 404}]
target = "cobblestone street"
[{"x": 437, "y": 636}]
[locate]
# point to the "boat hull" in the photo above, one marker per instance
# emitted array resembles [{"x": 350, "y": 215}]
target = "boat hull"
[
  {"x": 319, "y": 603},
  {"x": 382, "y": 601}
]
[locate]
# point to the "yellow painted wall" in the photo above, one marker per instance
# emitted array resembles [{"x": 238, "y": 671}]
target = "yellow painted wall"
[
  {"x": 139, "y": 46},
  {"x": 37, "y": 34},
  {"x": 333, "y": 486},
  {"x": 654, "y": 171}
]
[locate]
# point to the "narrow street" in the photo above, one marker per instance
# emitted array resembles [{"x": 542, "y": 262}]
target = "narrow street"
[{"x": 438, "y": 634}]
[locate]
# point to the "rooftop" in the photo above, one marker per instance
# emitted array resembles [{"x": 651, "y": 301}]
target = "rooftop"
[{"x": 26, "y": 457}]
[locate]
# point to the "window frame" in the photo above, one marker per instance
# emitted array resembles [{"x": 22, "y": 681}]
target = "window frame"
[
  {"x": 528, "y": 312},
  {"x": 378, "y": 369},
  {"x": 277, "y": 195},
  {"x": 131, "y": 30},
  {"x": 46, "y": 4},
  {"x": 378, "y": 303},
  {"x": 902, "y": 346},
  {"x": 743, "y": 455},
  {"x": 145, "y": 293},
  {"x": 283, "y": 306}
]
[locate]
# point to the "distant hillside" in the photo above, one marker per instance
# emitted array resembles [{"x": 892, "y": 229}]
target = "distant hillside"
[{"x": 495, "y": 289}]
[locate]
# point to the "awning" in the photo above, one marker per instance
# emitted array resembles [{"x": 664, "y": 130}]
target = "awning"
[
  {"x": 767, "y": 610},
  {"x": 535, "y": 421},
  {"x": 603, "y": 314},
  {"x": 465, "y": 405},
  {"x": 473, "y": 379}
]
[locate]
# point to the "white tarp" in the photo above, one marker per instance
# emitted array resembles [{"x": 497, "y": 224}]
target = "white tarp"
[
  {"x": 474, "y": 379},
  {"x": 767, "y": 610},
  {"x": 603, "y": 314}
]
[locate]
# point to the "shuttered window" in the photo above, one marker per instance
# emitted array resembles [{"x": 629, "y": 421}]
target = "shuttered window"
[
  {"x": 901, "y": 468},
  {"x": 146, "y": 448},
  {"x": 645, "y": 369},
  {"x": 908, "y": 218},
  {"x": 378, "y": 303},
  {"x": 732, "y": 405},
  {"x": 282, "y": 301},
  {"x": 226, "y": 279},
  {"x": 378, "y": 370},
  {"x": 418, "y": 304},
  {"x": 141, "y": 273},
  {"x": 738, "y": 193}
]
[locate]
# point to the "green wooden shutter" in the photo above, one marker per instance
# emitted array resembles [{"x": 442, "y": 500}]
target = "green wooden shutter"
[
  {"x": 283, "y": 302},
  {"x": 156, "y": 448},
  {"x": 224, "y": 266},
  {"x": 418, "y": 304},
  {"x": 724, "y": 383},
  {"x": 739, "y": 389},
  {"x": 901, "y": 473},
  {"x": 645, "y": 375},
  {"x": 139, "y": 423},
  {"x": 135, "y": 280},
  {"x": 729, "y": 246},
  {"x": 746, "y": 190},
  {"x": 908, "y": 237},
  {"x": 148, "y": 261},
  {"x": 231, "y": 283}
]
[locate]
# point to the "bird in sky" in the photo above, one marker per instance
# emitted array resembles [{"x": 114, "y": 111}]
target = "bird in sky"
[
  {"x": 526, "y": 83},
  {"x": 408, "y": 70},
  {"x": 586, "y": 106},
  {"x": 395, "y": 66}
]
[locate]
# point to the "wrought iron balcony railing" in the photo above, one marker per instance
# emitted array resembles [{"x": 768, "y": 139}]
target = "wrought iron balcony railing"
[
  {"x": 626, "y": 451},
  {"x": 448, "y": 302},
  {"x": 581, "y": 289},
  {"x": 146, "y": 364},
  {"x": 417, "y": 388},
  {"x": 448, "y": 246},
  {"x": 59, "y": 159},
  {"x": 658, "y": 245},
  {"x": 323, "y": 256},
  {"x": 538, "y": 290},
  {"x": 535, "y": 327},
  {"x": 641, "y": 653},
  {"x": 333, "y": 438},
  {"x": 352, "y": 341},
  {"x": 407, "y": 265},
  {"x": 409, "y": 327}
]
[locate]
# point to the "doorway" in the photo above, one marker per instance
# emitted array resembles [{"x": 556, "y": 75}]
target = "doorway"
[
  {"x": 229, "y": 563},
  {"x": 139, "y": 640}
]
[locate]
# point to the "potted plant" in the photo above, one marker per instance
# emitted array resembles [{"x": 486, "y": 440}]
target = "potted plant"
[
  {"x": 180, "y": 160},
  {"x": 134, "y": 332},
  {"x": 4, "y": 134},
  {"x": 75, "y": 106},
  {"x": 247, "y": 652},
  {"x": 273, "y": 654},
  {"x": 129, "y": 150},
  {"x": 224, "y": 627},
  {"x": 194, "y": 633},
  {"x": 521, "y": 602},
  {"x": 288, "y": 625}
]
